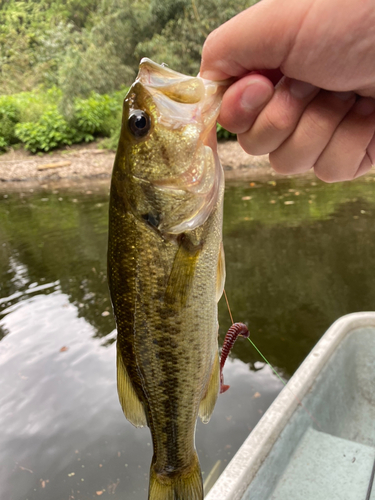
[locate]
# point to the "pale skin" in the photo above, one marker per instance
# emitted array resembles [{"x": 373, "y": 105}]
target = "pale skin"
[{"x": 304, "y": 88}]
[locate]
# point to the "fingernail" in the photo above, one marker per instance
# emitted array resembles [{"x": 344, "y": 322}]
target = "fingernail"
[
  {"x": 255, "y": 95},
  {"x": 365, "y": 106},
  {"x": 301, "y": 89},
  {"x": 344, "y": 96}
]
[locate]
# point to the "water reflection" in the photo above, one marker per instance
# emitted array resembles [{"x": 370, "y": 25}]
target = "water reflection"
[
  {"x": 293, "y": 269},
  {"x": 299, "y": 254}
]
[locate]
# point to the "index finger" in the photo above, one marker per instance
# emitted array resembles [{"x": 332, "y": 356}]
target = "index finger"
[{"x": 258, "y": 38}]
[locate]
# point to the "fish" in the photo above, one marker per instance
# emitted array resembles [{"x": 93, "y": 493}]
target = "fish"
[{"x": 166, "y": 267}]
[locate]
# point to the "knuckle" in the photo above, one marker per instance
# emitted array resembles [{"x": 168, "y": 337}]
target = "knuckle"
[
  {"x": 280, "y": 164},
  {"x": 249, "y": 145},
  {"x": 318, "y": 124},
  {"x": 277, "y": 121}
]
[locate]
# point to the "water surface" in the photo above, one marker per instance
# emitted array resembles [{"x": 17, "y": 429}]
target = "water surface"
[{"x": 299, "y": 255}]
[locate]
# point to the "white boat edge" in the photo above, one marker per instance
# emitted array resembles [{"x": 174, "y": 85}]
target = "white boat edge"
[{"x": 236, "y": 478}]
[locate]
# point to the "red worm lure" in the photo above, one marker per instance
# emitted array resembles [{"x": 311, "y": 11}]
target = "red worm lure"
[{"x": 230, "y": 338}]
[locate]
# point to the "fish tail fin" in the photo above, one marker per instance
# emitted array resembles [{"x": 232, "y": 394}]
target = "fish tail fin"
[{"x": 175, "y": 486}]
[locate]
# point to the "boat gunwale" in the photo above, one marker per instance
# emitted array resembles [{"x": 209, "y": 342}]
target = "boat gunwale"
[{"x": 237, "y": 476}]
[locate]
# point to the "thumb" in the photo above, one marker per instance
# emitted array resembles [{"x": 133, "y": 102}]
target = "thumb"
[{"x": 258, "y": 38}]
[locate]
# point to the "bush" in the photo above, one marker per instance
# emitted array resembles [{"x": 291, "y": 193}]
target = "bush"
[
  {"x": 99, "y": 115},
  {"x": 24, "y": 107},
  {"x": 112, "y": 141},
  {"x": 9, "y": 116},
  {"x": 224, "y": 134},
  {"x": 51, "y": 131},
  {"x": 32, "y": 105}
]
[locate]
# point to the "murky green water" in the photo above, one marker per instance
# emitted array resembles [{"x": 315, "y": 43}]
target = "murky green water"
[{"x": 299, "y": 255}]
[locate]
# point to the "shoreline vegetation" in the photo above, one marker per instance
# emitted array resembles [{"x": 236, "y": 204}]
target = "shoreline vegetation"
[{"x": 66, "y": 65}]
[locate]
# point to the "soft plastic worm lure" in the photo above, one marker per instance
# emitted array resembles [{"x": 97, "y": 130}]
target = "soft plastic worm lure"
[{"x": 230, "y": 338}]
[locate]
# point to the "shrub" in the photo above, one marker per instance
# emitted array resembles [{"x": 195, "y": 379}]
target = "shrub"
[
  {"x": 51, "y": 131},
  {"x": 32, "y": 105},
  {"x": 224, "y": 134},
  {"x": 112, "y": 141},
  {"x": 99, "y": 114},
  {"x": 90, "y": 69},
  {"x": 9, "y": 116},
  {"x": 3, "y": 143}
]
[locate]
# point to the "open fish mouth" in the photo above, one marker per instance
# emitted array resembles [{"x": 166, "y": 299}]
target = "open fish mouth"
[{"x": 181, "y": 99}]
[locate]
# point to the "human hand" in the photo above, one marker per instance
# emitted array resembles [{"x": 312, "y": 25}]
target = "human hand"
[{"x": 305, "y": 88}]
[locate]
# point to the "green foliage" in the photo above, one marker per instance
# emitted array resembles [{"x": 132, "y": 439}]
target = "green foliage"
[
  {"x": 32, "y": 105},
  {"x": 99, "y": 114},
  {"x": 59, "y": 60},
  {"x": 224, "y": 134},
  {"x": 88, "y": 68},
  {"x": 162, "y": 12},
  {"x": 21, "y": 117},
  {"x": 103, "y": 59},
  {"x": 22, "y": 25},
  {"x": 179, "y": 43},
  {"x": 35, "y": 119},
  {"x": 9, "y": 116},
  {"x": 49, "y": 132},
  {"x": 95, "y": 45},
  {"x": 112, "y": 141}
]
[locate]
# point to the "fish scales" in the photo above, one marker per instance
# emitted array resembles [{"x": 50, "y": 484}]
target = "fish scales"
[{"x": 165, "y": 273}]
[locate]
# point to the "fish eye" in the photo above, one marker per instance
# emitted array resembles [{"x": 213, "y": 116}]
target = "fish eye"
[{"x": 139, "y": 123}]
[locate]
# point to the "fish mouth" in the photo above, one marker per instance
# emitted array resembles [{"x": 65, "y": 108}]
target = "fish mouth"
[
  {"x": 182, "y": 99},
  {"x": 178, "y": 87}
]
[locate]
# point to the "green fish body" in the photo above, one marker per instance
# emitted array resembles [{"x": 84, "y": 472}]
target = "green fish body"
[{"x": 166, "y": 268}]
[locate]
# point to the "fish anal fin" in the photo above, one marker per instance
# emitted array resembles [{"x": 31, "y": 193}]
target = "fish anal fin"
[
  {"x": 220, "y": 277},
  {"x": 131, "y": 405},
  {"x": 207, "y": 404}
]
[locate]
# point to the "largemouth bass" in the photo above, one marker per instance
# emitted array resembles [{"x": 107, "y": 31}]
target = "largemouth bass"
[{"x": 166, "y": 267}]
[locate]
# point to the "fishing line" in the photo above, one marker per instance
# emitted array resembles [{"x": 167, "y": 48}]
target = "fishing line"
[
  {"x": 274, "y": 371},
  {"x": 286, "y": 385},
  {"x": 268, "y": 363},
  {"x": 228, "y": 306}
]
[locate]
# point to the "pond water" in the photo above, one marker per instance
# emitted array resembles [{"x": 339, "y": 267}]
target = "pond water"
[{"x": 299, "y": 254}]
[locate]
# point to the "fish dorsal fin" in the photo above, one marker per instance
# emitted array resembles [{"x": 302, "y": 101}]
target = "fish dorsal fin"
[
  {"x": 220, "y": 277},
  {"x": 131, "y": 405},
  {"x": 207, "y": 404}
]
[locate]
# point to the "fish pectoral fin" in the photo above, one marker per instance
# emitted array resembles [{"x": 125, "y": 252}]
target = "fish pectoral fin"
[
  {"x": 207, "y": 404},
  {"x": 220, "y": 277},
  {"x": 131, "y": 405},
  {"x": 182, "y": 273}
]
